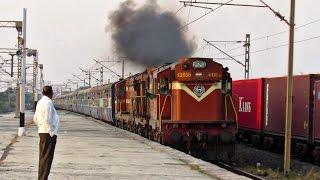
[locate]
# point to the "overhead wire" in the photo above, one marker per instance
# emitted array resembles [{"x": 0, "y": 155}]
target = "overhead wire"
[
  {"x": 282, "y": 32},
  {"x": 197, "y": 19},
  {"x": 179, "y": 9},
  {"x": 274, "y": 34},
  {"x": 278, "y": 46}
]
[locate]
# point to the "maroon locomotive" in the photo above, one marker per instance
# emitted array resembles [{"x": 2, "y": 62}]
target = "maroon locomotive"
[{"x": 186, "y": 105}]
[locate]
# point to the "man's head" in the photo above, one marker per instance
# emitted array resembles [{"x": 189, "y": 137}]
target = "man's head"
[{"x": 47, "y": 91}]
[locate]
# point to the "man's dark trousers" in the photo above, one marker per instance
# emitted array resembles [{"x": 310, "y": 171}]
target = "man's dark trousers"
[{"x": 46, "y": 152}]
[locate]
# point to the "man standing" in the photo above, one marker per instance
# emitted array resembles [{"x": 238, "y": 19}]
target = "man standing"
[{"x": 47, "y": 120}]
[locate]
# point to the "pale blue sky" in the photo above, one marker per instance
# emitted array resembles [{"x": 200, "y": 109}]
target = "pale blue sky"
[{"x": 70, "y": 33}]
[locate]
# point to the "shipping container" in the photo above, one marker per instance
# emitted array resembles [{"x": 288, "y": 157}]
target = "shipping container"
[
  {"x": 275, "y": 105},
  {"x": 248, "y": 95},
  {"x": 316, "y": 119}
]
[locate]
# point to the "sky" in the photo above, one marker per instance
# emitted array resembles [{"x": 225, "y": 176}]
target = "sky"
[{"x": 71, "y": 33}]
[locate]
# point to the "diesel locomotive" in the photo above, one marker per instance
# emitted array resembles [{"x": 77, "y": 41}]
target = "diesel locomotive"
[{"x": 187, "y": 105}]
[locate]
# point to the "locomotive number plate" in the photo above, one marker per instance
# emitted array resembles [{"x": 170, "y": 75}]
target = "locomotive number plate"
[
  {"x": 184, "y": 75},
  {"x": 214, "y": 75}
]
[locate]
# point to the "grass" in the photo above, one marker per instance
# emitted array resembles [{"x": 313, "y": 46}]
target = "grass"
[{"x": 270, "y": 173}]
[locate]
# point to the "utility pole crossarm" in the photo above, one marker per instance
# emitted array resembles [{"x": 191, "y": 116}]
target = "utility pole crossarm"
[
  {"x": 5, "y": 71},
  {"x": 224, "y": 53},
  {"x": 203, "y": 7},
  {"x": 107, "y": 68},
  {"x": 77, "y": 77},
  {"x": 83, "y": 70},
  {"x": 11, "y": 24},
  {"x": 95, "y": 78},
  {"x": 190, "y": 3},
  {"x": 281, "y": 17}
]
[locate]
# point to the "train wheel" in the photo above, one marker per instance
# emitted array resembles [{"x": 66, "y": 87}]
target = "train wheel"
[
  {"x": 301, "y": 150},
  {"x": 130, "y": 126},
  {"x": 316, "y": 155},
  {"x": 256, "y": 141},
  {"x": 150, "y": 133},
  {"x": 145, "y": 132},
  {"x": 140, "y": 130},
  {"x": 279, "y": 146},
  {"x": 239, "y": 138},
  {"x": 134, "y": 128},
  {"x": 232, "y": 154},
  {"x": 117, "y": 123},
  {"x": 268, "y": 143}
]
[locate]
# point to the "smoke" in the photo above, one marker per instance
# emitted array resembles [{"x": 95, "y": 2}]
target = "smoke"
[{"x": 147, "y": 35}]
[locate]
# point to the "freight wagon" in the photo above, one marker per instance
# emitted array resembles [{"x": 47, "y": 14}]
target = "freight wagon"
[{"x": 261, "y": 107}]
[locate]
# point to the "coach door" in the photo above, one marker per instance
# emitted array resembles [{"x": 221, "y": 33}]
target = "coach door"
[{"x": 164, "y": 95}]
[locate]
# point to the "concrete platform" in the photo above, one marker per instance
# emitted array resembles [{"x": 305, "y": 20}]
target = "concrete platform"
[{"x": 89, "y": 149}]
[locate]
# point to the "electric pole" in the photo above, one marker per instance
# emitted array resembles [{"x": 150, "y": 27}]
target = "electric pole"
[
  {"x": 246, "y": 65},
  {"x": 289, "y": 98},
  {"x": 34, "y": 53},
  {"x": 21, "y": 130},
  {"x": 89, "y": 75},
  {"x": 123, "y": 68},
  {"x": 101, "y": 75},
  {"x": 35, "y": 78},
  {"x": 99, "y": 62},
  {"x": 247, "y": 57},
  {"x": 12, "y": 57},
  {"x": 41, "y": 77},
  {"x": 84, "y": 80},
  {"x": 20, "y": 47},
  {"x": 237, "y": 61}
]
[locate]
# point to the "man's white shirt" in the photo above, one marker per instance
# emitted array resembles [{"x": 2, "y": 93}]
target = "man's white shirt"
[{"x": 46, "y": 117}]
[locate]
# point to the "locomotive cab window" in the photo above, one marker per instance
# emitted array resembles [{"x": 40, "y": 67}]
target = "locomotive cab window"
[{"x": 164, "y": 86}]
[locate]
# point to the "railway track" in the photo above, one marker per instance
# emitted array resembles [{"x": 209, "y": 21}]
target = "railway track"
[{"x": 237, "y": 170}]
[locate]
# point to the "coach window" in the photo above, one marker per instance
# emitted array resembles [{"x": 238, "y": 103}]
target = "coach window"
[
  {"x": 122, "y": 90},
  {"x": 164, "y": 85},
  {"x": 151, "y": 88}
]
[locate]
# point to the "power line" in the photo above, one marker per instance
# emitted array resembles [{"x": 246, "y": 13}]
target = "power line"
[
  {"x": 179, "y": 9},
  {"x": 282, "y": 32},
  {"x": 271, "y": 35},
  {"x": 212, "y": 3},
  {"x": 224, "y": 53},
  {"x": 278, "y": 46},
  {"x": 276, "y": 13},
  {"x": 197, "y": 19}
]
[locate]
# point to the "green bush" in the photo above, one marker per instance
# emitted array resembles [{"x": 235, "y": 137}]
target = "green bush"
[{"x": 8, "y": 99}]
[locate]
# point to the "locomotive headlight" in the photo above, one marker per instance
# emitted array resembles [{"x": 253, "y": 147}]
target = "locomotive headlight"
[{"x": 199, "y": 64}]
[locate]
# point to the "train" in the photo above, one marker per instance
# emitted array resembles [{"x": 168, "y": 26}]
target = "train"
[
  {"x": 187, "y": 105},
  {"x": 261, "y": 108}
]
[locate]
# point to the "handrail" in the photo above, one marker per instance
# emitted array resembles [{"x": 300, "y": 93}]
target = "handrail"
[
  {"x": 233, "y": 107},
  {"x": 165, "y": 100},
  {"x": 161, "y": 112},
  {"x": 158, "y": 112}
]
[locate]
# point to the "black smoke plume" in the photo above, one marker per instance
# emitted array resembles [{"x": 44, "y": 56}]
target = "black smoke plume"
[{"x": 148, "y": 35}]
